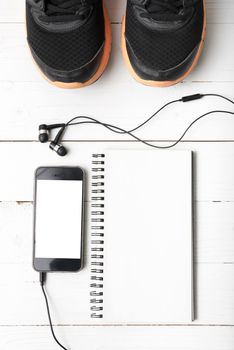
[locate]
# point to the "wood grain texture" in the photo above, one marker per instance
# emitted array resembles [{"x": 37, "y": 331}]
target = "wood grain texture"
[
  {"x": 214, "y": 239},
  {"x": 27, "y": 101},
  {"x": 118, "y": 338},
  {"x": 213, "y": 163},
  {"x": 214, "y": 266}
]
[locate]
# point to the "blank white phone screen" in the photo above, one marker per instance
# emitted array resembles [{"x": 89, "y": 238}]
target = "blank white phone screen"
[{"x": 58, "y": 219}]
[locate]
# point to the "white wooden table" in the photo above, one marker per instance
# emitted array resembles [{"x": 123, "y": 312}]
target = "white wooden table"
[{"x": 27, "y": 101}]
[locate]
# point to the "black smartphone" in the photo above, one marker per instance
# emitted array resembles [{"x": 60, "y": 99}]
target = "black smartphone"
[{"x": 58, "y": 219}]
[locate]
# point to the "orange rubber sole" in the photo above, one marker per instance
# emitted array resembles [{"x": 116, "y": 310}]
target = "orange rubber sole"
[
  {"x": 103, "y": 63},
  {"x": 154, "y": 83}
]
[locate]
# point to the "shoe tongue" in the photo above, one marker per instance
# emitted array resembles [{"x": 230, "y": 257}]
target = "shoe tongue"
[
  {"x": 162, "y": 13},
  {"x": 66, "y": 10},
  {"x": 60, "y": 7}
]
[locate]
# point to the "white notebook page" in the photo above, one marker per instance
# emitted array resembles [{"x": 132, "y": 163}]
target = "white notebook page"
[{"x": 148, "y": 237}]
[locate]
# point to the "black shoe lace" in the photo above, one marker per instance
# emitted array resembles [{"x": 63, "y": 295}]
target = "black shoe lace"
[
  {"x": 56, "y": 10},
  {"x": 167, "y": 7}
]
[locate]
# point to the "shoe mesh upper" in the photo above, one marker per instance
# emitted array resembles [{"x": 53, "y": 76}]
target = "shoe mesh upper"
[
  {"x": 161, "y": 50},
  {"x": 69, "y": 50}
]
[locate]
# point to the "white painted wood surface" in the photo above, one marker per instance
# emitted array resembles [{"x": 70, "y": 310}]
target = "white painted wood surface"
[{"x": 26, "y": 101}]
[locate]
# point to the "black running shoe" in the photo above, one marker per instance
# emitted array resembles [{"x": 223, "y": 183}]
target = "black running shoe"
[
  {"x": 162, "y": 39},
  {"x": 70, "y": 40}
]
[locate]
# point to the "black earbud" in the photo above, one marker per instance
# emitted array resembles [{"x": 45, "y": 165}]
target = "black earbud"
[
  {"x": 59, "y": 149},
  {"x": 44, "y": 131},
  {"x": 55, "y": 146}
]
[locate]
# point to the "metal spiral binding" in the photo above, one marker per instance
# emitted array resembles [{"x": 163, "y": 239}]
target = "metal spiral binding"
[{"x": 97, "y": 234}]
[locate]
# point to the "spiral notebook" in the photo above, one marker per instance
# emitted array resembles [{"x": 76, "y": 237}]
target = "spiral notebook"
[{"x": 141, "y": 256}]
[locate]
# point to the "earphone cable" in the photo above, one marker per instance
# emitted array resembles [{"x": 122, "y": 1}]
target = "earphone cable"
[
  {"x": 59, "y": 149},
  {"x": 117, "y": 129},
  {"x": 183, "y": 99},
  {"x": 124, "y": 131},
  {"x": 42, "y": 283},
  {"x": 220, "y": 96},
  {"x": 154, "y": 115}
]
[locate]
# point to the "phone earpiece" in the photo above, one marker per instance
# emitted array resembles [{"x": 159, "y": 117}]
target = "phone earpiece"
[
  {"x": 55, "y": 145},
  {"x": 43, "y": 133}
]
